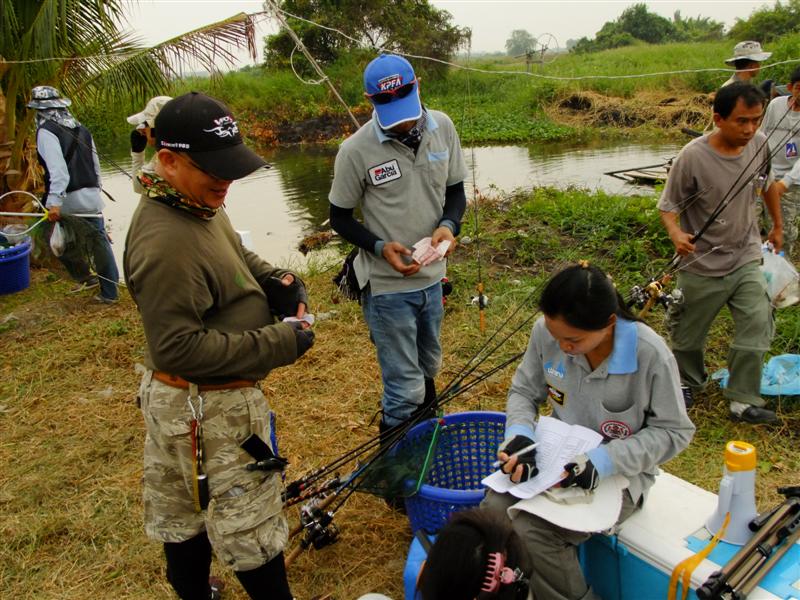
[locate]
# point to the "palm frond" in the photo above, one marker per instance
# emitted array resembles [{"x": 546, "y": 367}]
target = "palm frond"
[{"x": 132, "y": 71}]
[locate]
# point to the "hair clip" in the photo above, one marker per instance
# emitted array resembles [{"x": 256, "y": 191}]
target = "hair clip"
[
  {"x": 497, "y": 573},
  {"x": 583, "y": 264}
]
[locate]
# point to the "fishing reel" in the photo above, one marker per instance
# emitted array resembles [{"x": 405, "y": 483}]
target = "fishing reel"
[
  {"x": 320, "y": 531},
  {"x": 481, "y": 301},
  {"x": 645, "y": 297}
]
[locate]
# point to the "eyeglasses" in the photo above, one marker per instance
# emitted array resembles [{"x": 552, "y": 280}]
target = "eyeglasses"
[
  {"x": 396, "y": 93},
  {"x": 195, "y": 165}
]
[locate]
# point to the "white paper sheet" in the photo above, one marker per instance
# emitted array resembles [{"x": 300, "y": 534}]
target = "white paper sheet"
[
  {"x": 599, "y": 513},
  {"x": 558, "y": 443}
]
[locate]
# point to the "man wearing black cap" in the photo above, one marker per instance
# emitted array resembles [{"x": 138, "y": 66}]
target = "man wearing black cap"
[
  {"x": 405, "y": 170},
  {"x": 207, "y": 307}
]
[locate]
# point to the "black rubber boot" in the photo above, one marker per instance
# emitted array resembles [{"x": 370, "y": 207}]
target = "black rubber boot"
[{"x": 428, "y": 407}]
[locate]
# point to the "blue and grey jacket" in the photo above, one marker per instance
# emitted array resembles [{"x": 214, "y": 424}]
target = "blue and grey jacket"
[{"x": 633, "y": 399}]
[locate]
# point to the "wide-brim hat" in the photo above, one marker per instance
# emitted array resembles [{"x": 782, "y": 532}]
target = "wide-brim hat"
[
  {"x": 204, "y": 128},
  {"x": 45, "y": 104},
  {"x": 46, "y": 96},
  {"x": 384, "y": 74},
  {"x": 748, "y": 50},
  {"x": 150, "y": 112}
]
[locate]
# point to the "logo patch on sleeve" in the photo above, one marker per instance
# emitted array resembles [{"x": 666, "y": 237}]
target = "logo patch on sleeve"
[
  {"x": 555, "y": 395},
  {"x": 388, "y": 171}
]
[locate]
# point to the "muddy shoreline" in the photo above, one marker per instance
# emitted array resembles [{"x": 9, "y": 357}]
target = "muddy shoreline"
[{"x": 646, "y": 112}]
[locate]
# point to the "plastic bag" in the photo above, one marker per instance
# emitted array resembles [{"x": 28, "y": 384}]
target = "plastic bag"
[
  {"x": 779, "y": 377},
  {"x": 783, "y": 282},
  {"x": 58, "y": 241}
]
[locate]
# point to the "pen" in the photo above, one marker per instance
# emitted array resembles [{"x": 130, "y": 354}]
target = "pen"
[{"x": 496, "y": 464}]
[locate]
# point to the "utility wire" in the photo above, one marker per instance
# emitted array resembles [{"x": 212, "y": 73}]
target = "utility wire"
[{"x": 361, "y": 44}]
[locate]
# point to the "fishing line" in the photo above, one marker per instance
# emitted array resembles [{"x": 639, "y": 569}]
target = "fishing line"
[
  {"x": 453, "y": 389},
  {"x": 730, "y": 195},
  {"x": 480, "y": 299}
]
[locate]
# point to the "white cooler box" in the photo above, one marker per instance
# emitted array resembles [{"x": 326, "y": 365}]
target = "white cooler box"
[{"x": 637, "y": 563}]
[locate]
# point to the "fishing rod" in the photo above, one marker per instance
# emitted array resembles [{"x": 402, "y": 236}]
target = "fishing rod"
[
  {"x": 451, "y": 389},
  {"x": 320, "y": 530},
  {"x": 616, "y": 173},
  {"x": 652, "y": 292},
  {"x": 393, "y": 435}
]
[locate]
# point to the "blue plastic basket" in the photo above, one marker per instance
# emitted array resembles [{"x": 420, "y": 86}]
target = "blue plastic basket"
[
  {"x": 15, "y": 267},
  {"x": 465, "y": 451}
]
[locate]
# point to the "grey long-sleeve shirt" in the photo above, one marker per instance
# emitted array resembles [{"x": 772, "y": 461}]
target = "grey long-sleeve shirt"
[{"x": 633, "y": 399}]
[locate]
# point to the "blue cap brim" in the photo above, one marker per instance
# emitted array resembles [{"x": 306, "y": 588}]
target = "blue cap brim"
[{"x": 399, "y": 110}]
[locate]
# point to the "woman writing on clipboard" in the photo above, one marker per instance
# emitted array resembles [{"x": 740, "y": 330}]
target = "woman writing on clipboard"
[{"x": 597, "y": 366}]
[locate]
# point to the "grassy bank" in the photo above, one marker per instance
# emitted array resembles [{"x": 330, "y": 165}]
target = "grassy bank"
[
  {"x": 501, "y": 103},
  {"x": 70, "y": 456}
]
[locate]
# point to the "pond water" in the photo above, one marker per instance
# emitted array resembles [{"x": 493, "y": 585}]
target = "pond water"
[{"x": 281, "y": 205}]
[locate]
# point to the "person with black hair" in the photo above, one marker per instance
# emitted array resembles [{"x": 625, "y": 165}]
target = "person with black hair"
[
  {"x": 730, "y": 168},
  {"x": 477, "y": 555},
  {"x": 781, "y": 125},
  {"x": 597, "y": 366}
]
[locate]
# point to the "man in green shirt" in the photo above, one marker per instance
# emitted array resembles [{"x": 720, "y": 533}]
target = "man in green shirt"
[{"x": 209, "y": 307}]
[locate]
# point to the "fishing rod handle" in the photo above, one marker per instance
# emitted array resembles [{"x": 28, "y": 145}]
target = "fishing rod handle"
[{"x": 292, "y": 556}]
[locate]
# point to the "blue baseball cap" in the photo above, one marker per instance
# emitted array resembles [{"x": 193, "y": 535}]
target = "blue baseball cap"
[{"x": 388, "y": 74}]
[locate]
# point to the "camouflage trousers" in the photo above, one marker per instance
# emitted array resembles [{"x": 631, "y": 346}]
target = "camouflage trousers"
[
  {"x": 790, "y": 209},
  {"x": 244, "y": 518}
]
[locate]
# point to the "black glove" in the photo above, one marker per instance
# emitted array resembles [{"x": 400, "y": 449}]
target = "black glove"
[
  {"x": 303, "y": 337},
  {"x": 138, "y": 141},
  {"x": 581, "y": 473},
  {"x": 283, "y": 299},
  {"x": 526, "y": 459}
]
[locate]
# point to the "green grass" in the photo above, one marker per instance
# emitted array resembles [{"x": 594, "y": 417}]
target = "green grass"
[
  {"x": 70, "y": 457},
  {"x": 487, "y": 107}
]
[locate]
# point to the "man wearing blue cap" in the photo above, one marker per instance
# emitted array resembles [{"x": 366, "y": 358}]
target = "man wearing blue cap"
[{"x": 405, "y": 170}]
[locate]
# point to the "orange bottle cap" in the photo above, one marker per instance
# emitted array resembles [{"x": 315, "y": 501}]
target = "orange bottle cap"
[{"x": 740, "y": 456}]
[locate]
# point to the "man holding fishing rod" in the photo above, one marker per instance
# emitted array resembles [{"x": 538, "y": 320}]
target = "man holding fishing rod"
[
  {"x": 708, "y": 208},
  {"x": 72, "y": 186},
  {"x": 211, "y": 313}
]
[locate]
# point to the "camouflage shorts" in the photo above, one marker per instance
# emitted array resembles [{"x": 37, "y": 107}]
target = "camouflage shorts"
[{"x": 244, "y": 518}]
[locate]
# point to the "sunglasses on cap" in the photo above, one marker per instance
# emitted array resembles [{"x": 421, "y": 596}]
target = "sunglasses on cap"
[{"x": 389, "y": 95}]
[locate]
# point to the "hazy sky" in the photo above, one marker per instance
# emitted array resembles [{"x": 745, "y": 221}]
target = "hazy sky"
[{"x": 491, "y": 21}]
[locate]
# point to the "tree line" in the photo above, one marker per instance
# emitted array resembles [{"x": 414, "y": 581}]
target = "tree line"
[{"x": 637, "y": 24}]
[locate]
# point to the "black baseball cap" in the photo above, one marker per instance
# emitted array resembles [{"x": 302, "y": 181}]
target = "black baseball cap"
[{"x": 204, "y": 128}]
